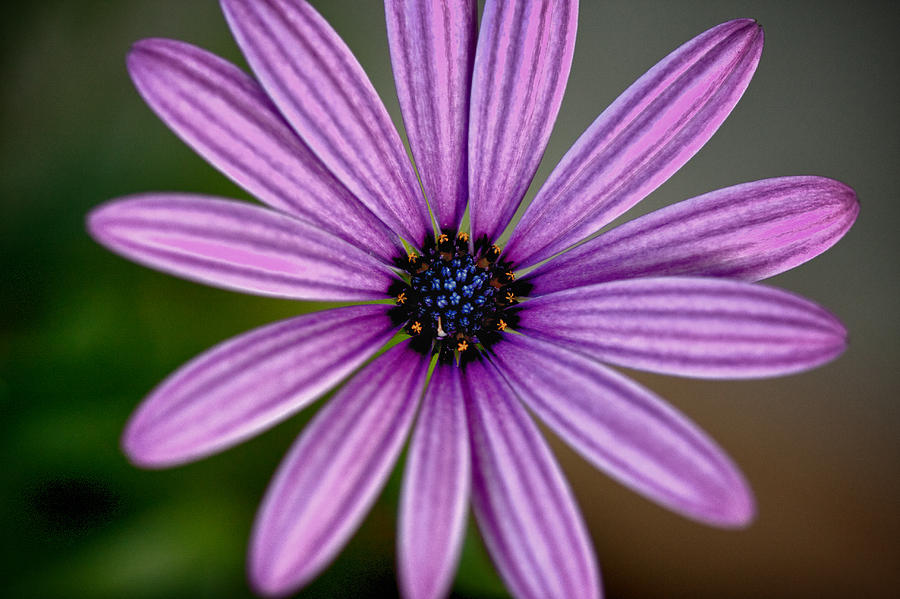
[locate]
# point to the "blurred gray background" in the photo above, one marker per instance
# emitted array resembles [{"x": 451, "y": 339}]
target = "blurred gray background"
[{"x": 84, "y": 334}]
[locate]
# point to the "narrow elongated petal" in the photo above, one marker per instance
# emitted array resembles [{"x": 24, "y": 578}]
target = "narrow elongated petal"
[
  {"x": 322, "y": 91},
  {"x": 700, "y": 327},
  {"x": 251, "y": 382},
  {"x": 524, "y": 507},
  {"x": 227, "y": 118},
  {"x": 627, "y": 431},
  {"x": 521, "y": 68},
  {"x": 637, "y": 143},
  {"x": 332, "y": 474},
  {"x": 749, "y": 231},
  {"x": 238, "y": 246},
  {"x": 432, "y": 52},
  {"x": 435, "y": 490}
]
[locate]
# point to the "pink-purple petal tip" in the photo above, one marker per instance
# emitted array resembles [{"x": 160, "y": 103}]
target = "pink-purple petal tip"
[
  {"x": 251, "y": 382},
  {"x": 749, "y": 231},
  {"x": 524, "y": 507},
  {"x": 698, "y": 327},
  {"x": 627, "y": 431},
  {"x": 322, "y": 91},
  {"x": 238, "y": 246},
  {"x": 224, "y": 114},
  {"x": 636, "y": 144},
  {"x": 333, "y": 473}
]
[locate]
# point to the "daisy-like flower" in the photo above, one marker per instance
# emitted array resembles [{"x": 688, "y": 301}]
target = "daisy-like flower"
[{"x": 668, "y": 292}]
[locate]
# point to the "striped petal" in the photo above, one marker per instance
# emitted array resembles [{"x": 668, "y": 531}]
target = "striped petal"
[
  {"x": 637, "y": 143},
  {"x": 435, "y": 490},
  {"x": 226, "y": 117},
  {"x": 521, "y": 68},
  {"x": 333, "y": 473},
  {"x": 238, "y": 246},
  {"x": 322, "y": 91},
  {"x": 627, "y": 431},
  {"x": 432, "y": 50},
  {"x": 749, "y": 231},
  {"x": 250, "y": 383},
  {"x": 709, "y": 328},
  {"x": 524, "y": 507}
]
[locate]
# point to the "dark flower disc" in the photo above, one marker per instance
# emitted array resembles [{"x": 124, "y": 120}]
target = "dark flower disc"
[{"x": 456, "y": 297}]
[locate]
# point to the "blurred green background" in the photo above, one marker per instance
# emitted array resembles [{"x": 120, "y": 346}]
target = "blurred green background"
[{"x": 85, "y": 334}]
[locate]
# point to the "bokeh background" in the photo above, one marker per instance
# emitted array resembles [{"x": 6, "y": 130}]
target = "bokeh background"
[{"x": 84, "y": 334}]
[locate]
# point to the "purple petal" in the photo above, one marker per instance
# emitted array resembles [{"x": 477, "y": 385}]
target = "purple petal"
[
  {"x": 435, "y": 490},
  {"x": 238, "y": 246},
  {"x": 627, "y": 431},
  {"x": 432, "y": 51},
  {"x": 227, "y": 118},
  {"x": 749, "y": 231},
  {"x": 248, "y": 384},
  {"x": 521, "y": 67},
  {"x": 709, "y": 328},
  {"x": 524, "y": 507},
  {"x": 322, "y": 91},
  {"x": 333, "y": 473},
  {"x": 646, "y": 135}
]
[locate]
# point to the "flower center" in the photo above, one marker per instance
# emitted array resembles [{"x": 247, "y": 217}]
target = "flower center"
[{"x": 455, "y": 299}]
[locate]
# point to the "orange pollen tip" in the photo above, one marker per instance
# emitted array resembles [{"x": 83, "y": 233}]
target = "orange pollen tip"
[
  {"x": 416, "y": 327},
  {"x": 401, "y": 299},
  {"x": 412, "y": 256},
  {"x": 463, "y": 236},
  {"x": 501, "y": 325},
  {"x": 462, "y": 345},
  {"x": 511, "y": 275},
  {"x": 442, "y": 238},
  {"x": 510, "y": 296}
]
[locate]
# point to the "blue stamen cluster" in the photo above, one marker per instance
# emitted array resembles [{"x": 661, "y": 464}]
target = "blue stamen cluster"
[
  {"x": 455, "y": 299},
  {"x": 453, "y": 296}
]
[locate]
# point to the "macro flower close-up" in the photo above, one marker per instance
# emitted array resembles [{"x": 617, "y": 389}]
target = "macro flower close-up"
[{"x": 464, "y": 321}]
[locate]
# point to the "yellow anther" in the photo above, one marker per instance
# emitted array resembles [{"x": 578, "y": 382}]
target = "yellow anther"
[
  {"x": 412, "y": 257},
  {"x": 501, "y": 324},
  {"x": 496, "y": 249},
  {"x": 463, "y": 236},
  {"x": 416, "y": 327},
  {"x": 510, "y": 296},
  {"x": 511, "y": 275},
  {"x": 401, "y": 299},
  {"x": 463, "y": 345},
  {"x": 442, "y": 238}
]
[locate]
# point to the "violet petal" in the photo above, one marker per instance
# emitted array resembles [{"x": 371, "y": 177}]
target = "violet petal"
[
  {"x": 637, "y": 143},
  {"x": 749, "y": 231},
  {"x": 699, "y": 327},
  {"x": 524, "y": 507},
  {"x": 436, "y": 486},
  {"x": 323, "y": 92},
  {"x": 334, "y": 471},
  {"x": 627, "y": 431},
  {"x": 432, "y": 50},
  {"x": 249, "y": 383},
  {"x": 228, "y": 119},
  {"x": 238, "y": 246},
  {"x": 522, "y": 65}
]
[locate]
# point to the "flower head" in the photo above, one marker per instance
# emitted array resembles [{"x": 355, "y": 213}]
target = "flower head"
[{"x": 530, "y": 324}]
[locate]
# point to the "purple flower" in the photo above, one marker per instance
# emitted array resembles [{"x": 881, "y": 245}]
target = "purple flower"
[{"x": 668, "y": 292}]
